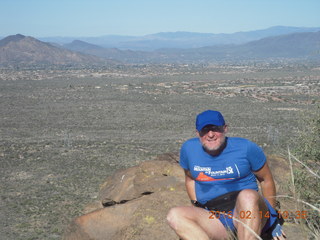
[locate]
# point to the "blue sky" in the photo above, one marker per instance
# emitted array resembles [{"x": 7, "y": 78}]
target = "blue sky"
[{"x": 44, "y": 18}]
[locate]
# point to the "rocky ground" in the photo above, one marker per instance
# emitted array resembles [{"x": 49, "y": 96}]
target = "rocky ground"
[{"x": 64, "y": 134}]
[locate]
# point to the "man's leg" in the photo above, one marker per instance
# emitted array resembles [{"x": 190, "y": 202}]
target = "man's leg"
[
  {"x": 250, "y": 210},
  {"x": 193, "y": 223}
]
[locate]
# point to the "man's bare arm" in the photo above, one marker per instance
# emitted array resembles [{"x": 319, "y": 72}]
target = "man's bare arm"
[
  {"x": 268, "y": 188},
  {"x": 190, "y": 185}
]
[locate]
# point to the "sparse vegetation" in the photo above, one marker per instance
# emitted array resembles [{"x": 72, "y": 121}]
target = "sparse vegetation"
[
  {"x": 307, "y": 171},
  {"x": 63, "y": 135}
]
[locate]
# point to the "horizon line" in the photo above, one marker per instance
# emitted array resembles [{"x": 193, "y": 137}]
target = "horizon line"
[{"x": 162, "y": 32}]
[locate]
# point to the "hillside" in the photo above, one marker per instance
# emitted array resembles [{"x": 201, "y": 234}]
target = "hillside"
[
  {"x": 22, "y": 50},
  {"x": 79, "y": 46},
  {"x": 295, "y": 45},
  {"x": 64, "y": 134},
  {"x": 106, "y": 53}
]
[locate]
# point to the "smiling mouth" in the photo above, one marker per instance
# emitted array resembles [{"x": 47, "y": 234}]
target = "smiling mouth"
[{"x": 212, "y": 140}]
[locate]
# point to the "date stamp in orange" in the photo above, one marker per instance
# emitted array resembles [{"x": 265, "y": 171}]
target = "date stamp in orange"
[{"x": 250, "y": 215}]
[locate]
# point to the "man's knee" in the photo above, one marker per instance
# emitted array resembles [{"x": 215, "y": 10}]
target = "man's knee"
[
  {"x": 248, "y": 197},
  {"x": 173, "y": 217}
]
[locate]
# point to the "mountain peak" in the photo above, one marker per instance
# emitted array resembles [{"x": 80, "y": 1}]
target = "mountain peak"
[
  {"x": 22, "y": 50},
  {"x": 78, "y": 45},
  {"x": 11, "y": 38},
  {"x": 77, "y": 42}
]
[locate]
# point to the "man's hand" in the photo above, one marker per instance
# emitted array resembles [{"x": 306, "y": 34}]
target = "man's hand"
[{"x": 277, "y": 233}]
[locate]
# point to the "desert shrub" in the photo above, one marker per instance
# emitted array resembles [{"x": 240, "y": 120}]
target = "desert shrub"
[
  {"x": 308, "y": 144},
  {"x": 307, "y": 170},
  {"x": 307, "y": 150}
]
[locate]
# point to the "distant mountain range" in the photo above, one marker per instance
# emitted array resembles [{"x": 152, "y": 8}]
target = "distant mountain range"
[
  {"x": 180, "y": 39},
  {"x": 22, "y": 50},
  {"x": 299, "y": 46},
  {"x": 296, "y": 46}
]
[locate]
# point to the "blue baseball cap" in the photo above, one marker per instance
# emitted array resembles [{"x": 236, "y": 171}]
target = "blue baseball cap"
[{"x": 209, "y": 117}]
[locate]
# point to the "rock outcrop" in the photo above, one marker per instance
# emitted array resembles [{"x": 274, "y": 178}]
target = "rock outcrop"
[{"x": 133, "y": 203}]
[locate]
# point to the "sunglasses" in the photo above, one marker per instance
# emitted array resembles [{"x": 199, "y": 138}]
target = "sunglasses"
[{"x": 212, "y": 128}]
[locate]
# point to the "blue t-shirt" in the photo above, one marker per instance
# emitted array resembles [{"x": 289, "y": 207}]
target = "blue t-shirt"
[{"x": 230, "y": 171}]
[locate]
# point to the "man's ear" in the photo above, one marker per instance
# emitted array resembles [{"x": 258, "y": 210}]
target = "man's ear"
[
  {"x": 197, "y": 133},
  {"x": 225, "y": 128}
]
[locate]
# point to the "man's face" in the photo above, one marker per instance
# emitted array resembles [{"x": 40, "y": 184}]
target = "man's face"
[{"x": 212, "y": 137}]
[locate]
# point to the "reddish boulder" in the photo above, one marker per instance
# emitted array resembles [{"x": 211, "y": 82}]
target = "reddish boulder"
[{"x": 136, "y": 202}]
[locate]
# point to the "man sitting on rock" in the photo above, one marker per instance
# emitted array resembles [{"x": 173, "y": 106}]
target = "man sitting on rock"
[{"x": 220, "y": 178}]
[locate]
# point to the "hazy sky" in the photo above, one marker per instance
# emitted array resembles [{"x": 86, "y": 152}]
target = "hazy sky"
[{"x": 42, "y": 18}]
